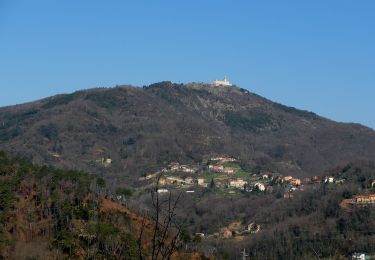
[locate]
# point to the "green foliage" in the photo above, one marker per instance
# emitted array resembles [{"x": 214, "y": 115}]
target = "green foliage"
[
  {"x": 81, "y": 212},
  {"x": 64, "y": 201},
  {"x": 8, "y": 182},
  {"x": 212, "y": 184},
  {"x": 124, "y": 191},
  {"x": 108, "y": 235},
  {"x": 14, "y": 171},
  {"x": 65, "y": 242},
  {"x": 100, "y": 182},
  {"x": 130, "y": 246},
  {"x": 347, "y": 194},
  {"x": 103, "y": 229},
  {"x": 7, "y": 197},
  {"x": 253, "y": 123},
  {"x": 185, "y": 236},
  {"x": 49, "y": 131}
]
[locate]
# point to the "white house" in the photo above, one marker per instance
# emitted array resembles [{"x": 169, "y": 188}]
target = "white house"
[
  {"x": 201, "y": 182},
  {"x": 359, "y": 256},
  {"x": 224, "y": 82},
  {"x": 239, "y": 183},
  {"x": 187, "y": 169},
  {"x": 260, "y": 186},
  {"x": 329, "y": 179}
]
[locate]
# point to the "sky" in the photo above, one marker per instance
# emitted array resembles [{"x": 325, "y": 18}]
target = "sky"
[{"x": 314, "y": 55}]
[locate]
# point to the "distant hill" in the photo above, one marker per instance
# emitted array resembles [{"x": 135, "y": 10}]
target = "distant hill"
[{"x": 143, "y": 129}]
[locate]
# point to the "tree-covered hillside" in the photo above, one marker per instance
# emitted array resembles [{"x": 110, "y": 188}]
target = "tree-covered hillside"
[
  {"x": 47, "y": 213},
  {"x": 320, "y": 222},
  {"x": 126, "y": 132}
]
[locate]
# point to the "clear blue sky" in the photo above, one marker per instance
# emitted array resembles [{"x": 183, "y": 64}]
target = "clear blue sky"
[{"x": 316, "y": 55}]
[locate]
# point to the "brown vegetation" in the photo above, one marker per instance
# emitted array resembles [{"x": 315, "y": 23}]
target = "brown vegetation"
[{"x": 144, "y": 129}]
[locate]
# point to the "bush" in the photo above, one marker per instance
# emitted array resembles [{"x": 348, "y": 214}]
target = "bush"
[{"x": 124, "y": 191}]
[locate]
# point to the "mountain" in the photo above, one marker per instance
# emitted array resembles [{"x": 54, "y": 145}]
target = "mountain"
[{"x": 144, "y": 129}]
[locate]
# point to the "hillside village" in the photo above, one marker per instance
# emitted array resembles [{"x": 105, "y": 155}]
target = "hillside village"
[{"x": 226, "y": 176}]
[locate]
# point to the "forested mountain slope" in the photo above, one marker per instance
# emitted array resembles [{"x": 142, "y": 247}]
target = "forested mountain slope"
[
  {"x": 143, "y": 129},
  {"x": 53, "y": 214}
]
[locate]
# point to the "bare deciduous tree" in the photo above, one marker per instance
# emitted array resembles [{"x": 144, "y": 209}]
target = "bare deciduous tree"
[{"x": 166, "y": 228}]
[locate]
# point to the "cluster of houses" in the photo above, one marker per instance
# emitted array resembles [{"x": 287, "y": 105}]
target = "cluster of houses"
[
  {"x": 241, "y": 184},
  {"x": 223, "y": 159},
  {"x": 221, "y": 168},
  {"x": 280, "y": 179},
  {"x": 238, "y": 183},
  {"x": 172, "y": 167},
  {"x": 296, "y": 184},
  {"x": 359, "y": 200},
  {"x": 235, "y": 229},
  {"x": 235, "y": 183},
  {"x": 176, "y": 166},
  {"x": 180, "y": 175},
  {"x": 293, "y": 184},
  {"x": 363, "y": 199},
  {"x": 172, "y": 180}
]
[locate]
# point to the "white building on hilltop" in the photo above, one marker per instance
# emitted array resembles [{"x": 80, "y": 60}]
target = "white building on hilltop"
[{"x": 224, "y": 82}]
